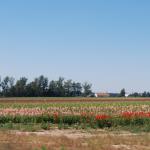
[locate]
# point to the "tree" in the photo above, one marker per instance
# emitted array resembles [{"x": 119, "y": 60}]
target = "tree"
[
  {"x": 145, "y": 94},
  {"x": 87, "y": 89},
  {"x": 39, "y": 87},
  {"x": 60, "y": 87},
  {"x": 148, "y": 94},
  {"x": 42, "y": 85},
  {"x": 0, "y": 87},
  {"x": 68, "y": 87},
  {"x": 135, "y": 94},
  {"x": 52, "y": 91},
  {"x": 31, "y": 89},
  {"x": 7, "y": 85},
  {"x": 122, "y": 93},
  {"x": 20, "y": 87},
  {"x": 78, "y": 89}
]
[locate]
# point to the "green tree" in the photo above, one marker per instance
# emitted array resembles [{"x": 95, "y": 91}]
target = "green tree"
[
  {"x": 52, "y": 91},
  {"x": 78, "y": 89},
  {"x": 122, "y": 93},
  {"x": 135, "y": 94},
  {"x": 31, "y": 89},
  {"x": 42, "y": 85},
  {"x": 87, "y": 89},
  {"x": 7, "y": 84},
  {"x": 68, "y": 87},
  {"x": 20, "y": 87},
  {"x": 0, "y": 87},
  {"x": 145, "y": 94},
  {"x": 60, "y": 87},
  {"x": 39, "y": 87}
]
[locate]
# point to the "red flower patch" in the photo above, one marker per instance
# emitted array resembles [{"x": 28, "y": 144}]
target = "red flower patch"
[
  {"x": 102, "y": 117},
  {"x": 135, "y": 114}
]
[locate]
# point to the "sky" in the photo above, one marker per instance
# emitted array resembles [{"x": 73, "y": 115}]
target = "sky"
[{"x": 104, "y": 42}]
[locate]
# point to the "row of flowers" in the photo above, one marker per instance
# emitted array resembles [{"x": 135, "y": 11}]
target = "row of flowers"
[
  {"x": 98, "y": 116},
  {"x": 74, "y": 109},
  {"x": 89, "y": 119},
  {"x": 38, "y": 112},
  {"x": 126, "y": 115}
]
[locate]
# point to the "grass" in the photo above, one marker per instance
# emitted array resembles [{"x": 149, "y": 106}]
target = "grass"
[
  {"x": 70, "y": 141},
  {"x": 32, "y": 135},
  {"x": 32, "y": 127},
  {"x": 75, "y": 121},
  {"x": 67, "y": 104}
]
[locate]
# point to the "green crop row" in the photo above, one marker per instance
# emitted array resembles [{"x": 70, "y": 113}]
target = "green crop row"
[
  {"x": 78, "y": 120},
  {"x": 47, "y": 105}
]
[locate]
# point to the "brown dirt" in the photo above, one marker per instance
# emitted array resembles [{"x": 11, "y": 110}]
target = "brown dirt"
[{"x": 70, "y": 100}]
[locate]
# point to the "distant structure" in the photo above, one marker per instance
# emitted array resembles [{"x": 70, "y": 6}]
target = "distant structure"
[
  {"x": 105, "y": 94},
  {"x": 127, "y": 95},
  {"x": 102, "y": 94},
  {"x": 114, "y": 94}
]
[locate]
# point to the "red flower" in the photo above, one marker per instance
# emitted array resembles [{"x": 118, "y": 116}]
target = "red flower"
[
  {"x": 101, "y": 117},
  {"x": 135, "y": 114},
  {"x": 55, "y": 115},
  {"x": 83, "y": 114}
]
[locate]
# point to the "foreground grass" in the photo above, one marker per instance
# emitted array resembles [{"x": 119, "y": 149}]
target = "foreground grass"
[
  {"x": 49, "y": 127},
  {"x": 73, "y": 140}
]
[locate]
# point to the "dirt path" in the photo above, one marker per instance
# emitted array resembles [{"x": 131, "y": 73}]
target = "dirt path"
[{"x": 75, "y": 134}]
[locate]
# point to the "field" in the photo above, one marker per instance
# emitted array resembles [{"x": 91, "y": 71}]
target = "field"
[
  {"x": 74, "y": 123},
  {"x": 68, "y": 99}
]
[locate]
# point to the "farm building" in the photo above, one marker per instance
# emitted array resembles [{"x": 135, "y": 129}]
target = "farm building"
[
  {"x": 114, "y": 94},
  {"x": 102, "y": 94}
]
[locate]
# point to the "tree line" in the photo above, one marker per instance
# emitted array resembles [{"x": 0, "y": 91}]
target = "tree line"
[
  {"x": 135, "y": 94},
  {"x": 42, "y": 87},
  {"x": 144, "y": 94}
]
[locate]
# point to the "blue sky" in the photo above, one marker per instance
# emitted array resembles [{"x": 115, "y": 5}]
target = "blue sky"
[{"x": 105, "y": 42}]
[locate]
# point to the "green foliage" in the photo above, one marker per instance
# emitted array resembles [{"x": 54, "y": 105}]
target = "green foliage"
[
  {"x": 70, "y": 119},
  {"x": 28, "y": 123},
  {"x": 122, "y": 93},
  {"x": 45, "y": 126},
  {"x": 41, "y": 87},
  {"x": 43, "y": 148},
  {"x": 87, "y": 89}
]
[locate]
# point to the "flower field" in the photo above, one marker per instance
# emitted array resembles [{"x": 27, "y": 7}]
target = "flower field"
[{"x": 94, "y": 115}]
